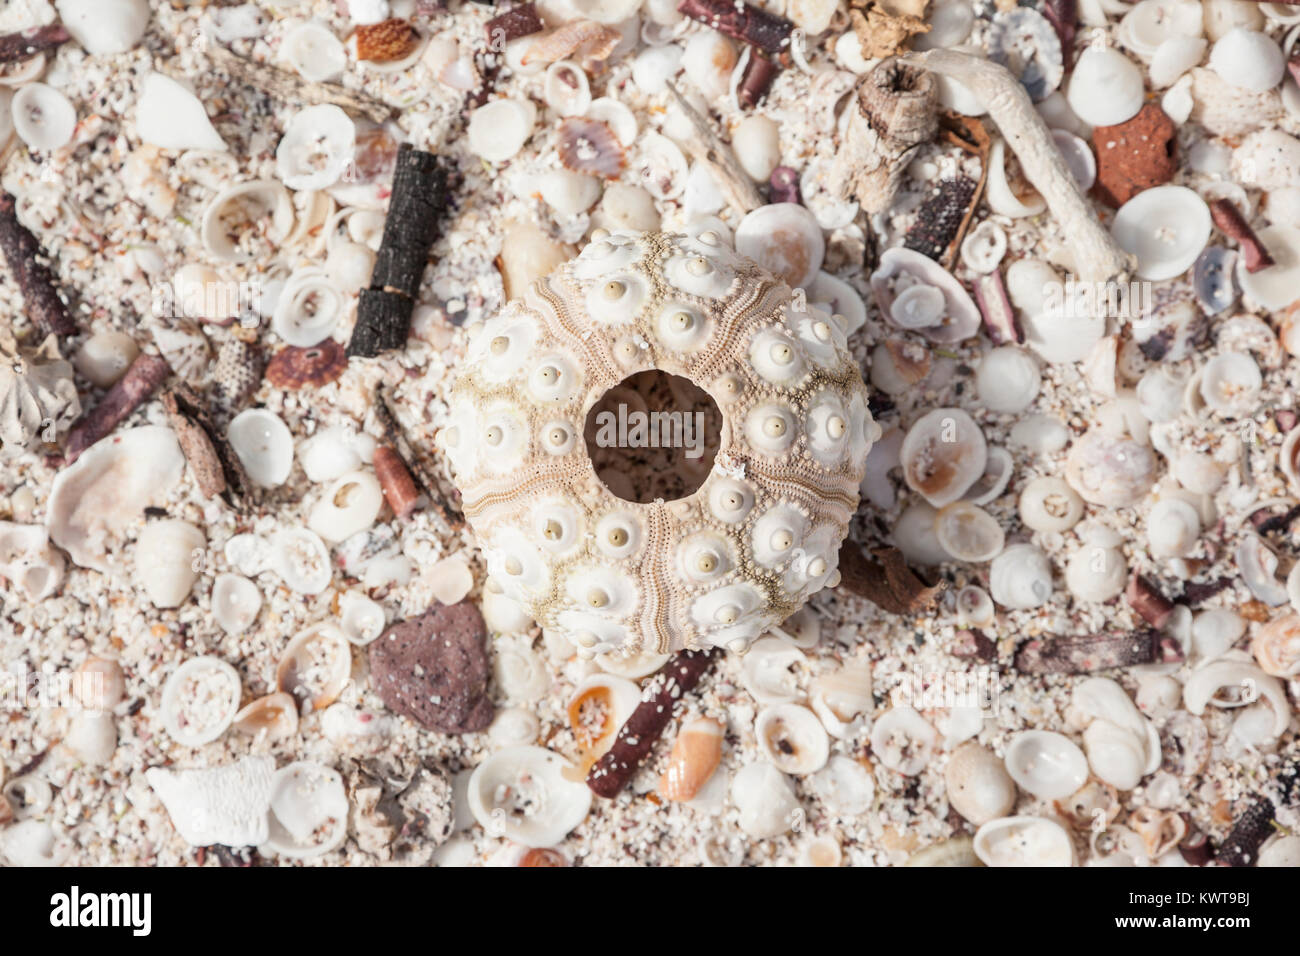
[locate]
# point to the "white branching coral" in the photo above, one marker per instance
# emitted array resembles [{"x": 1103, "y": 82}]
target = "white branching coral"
[{"x": 640, "y": 552}]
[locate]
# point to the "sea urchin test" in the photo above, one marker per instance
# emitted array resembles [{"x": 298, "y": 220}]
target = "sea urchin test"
[{"x": 660, "y": 545}]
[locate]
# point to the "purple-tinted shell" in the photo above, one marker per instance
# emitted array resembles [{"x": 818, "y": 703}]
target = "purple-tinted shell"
[
  {"x": 784, "y": 183},
  {"x": 1213, "y": 279},
  {"x": 999, "y": 318}
]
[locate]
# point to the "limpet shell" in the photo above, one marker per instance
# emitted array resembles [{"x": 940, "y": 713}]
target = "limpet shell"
[
  {"x": 1046, "y": 764},
  {"x": 236, "y": 602},
  {"x": 43, "y": 117},
  {"x": 309, "y": 811},
  {"x": 765, "y": 799},
  {"x": 1249, "y": 60},
  {"x": 968, "y": 533},
  {"x": 105, "y": 27},
  {"x": 1024, "y": 841},
  {"x": 526, "y": 795},
  {"x": 785, "y": 239},
  {"x": 943, "y": 454},
  {"x": 165, "y": 557},
  {"x": 270, "y": 718},
  {"x": 199, "y": 701},
  {"x": 316, "y": 366},
  {"x": 315, "y": 667},
  {"x": 978, "y": 785},
  {"x": 1106, "y": 87},
  {"x": 263, "y": 444},
  {"x": 317, "y": 146},
  {"x": 1166, "y": 227},
  {"x": 903, "y": 740},
  {"x": 792, "y": 738}
]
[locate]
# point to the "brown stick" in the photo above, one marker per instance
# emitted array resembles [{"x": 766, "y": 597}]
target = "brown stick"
[
  {"x": 132, "y": 390},
  {"x": 741, "y": 21},
  {"x": 662, "y": 695},
  {"x": 291, "y": 88},
  {"x": 1084, "y": 653},
  {"x": 1233, "y": 225},
  {"x": 707, "y": 147},
  {"x": 22, "y": 251},
  {"x": 28, "y": 43},
  {"x": 887, "y": 581}
]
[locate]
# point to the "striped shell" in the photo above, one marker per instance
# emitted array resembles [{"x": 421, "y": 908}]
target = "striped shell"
[{"x": 736, "y": 555}]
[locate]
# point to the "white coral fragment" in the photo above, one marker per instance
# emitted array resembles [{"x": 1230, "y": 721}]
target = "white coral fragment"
[{"x": 221, "y": 805}]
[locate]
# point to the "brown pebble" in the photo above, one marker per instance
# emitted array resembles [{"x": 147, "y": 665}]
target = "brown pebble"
[
  {"x": 312, "y": 367},
  {"x": 1134, "y": 155},
  {"x": 434, "y": 669}
]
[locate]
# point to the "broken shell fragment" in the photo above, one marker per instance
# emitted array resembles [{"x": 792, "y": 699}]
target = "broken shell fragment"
[
  {"x": 984, "y": 247},
  {"x": 1274, "y": 287},
  {"x": 765, "y": 799},
  {"x": 361, "y": 619},
  {"x": 316, "y": 667},
  {"x": 1046, "y": 764},
  {"x": 1276, "y": 646},
  {"x": 841, "y": 696},
  {"x": 1231, "y": 683},
  {"x": 166, "y": 554},
  {"x": 792, "y": 738},
  {"x": 902, "y": 740},
  {"x": 270, "y": 718},
  {"x": 785, "y": 239},
  {"x": 309, "y": 811},
  {"x": 170, "y": 116},
  {"x": 1166, "y": 227},
  {"x": 264, "y": 446},
  {"x": 199, "y": 701},
  {"x": 318, "y": 144},
  {"x": 1024, "y": 841},
  {"x": 28, "y": 561},
  {"x": 498, "y": 130},
  {"x": 978, "y": 785},
  {"x": 943, "y": 454},
  {"x": 224, "y": 805},
  {"x": 526, "y": 795}
]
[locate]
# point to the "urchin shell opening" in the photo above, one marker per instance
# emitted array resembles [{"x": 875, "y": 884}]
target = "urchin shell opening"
[{"x": 653, "y": 436}]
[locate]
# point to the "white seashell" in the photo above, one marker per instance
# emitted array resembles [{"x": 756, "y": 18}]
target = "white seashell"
[
  {"x": 914, "y": 535},
  {"x": 1223, "y": 16},
  {"x": 1114, "y": 754},
  {"x": 803, "y": 628},
  {"x": 368, "y": 12},
  {"x": 301, "y": 560},
  {"x": 268, "y": 719},
  {"x": 94, "y": 500},
  {"x": 238, "y": 210},
  {"x": 1024, "y": 841},
  {"x": 1110, "y": 470},
  {"x": 354, "y": 729},
  {"x": 792, "y": 738},
  {"x": 313, "y": 50},
  {"x": 978, "y": 785},
  {"x": 1215, "y": 631},
  {"x": 901, "y": 269},
  {"x": 1002, "y": 198},
  {"x": 1274, "y": 287},
  {"x": 950, "y": 24},
  {"x": 1048, "y": 765},
  {"x": 264, "y": 446},
  {"x": 765, "y": 799},
  {"x": 165, "y": 556},
  {"x": 983, "y": 248},
  {"x": 499, "y": 129},
  {"x": 105, "y": 26},
  {"x": 844, "y": 786},
  {"x": 1230, "y": 383},
  {"x": 839, "y": 697},
  {"x": 104, "y": 357},
  {"x": 785, "y": 239},
  {"x": 43, "y": 117},
  {"x": 236, "y": 602},
  {"x": 504, "y": 615},
  {"x": 316, "y": 149},
  {"x": 1078, "y": 157},
  {"x": 226, "y": 805},
  {"x": 1174, "y": 57},
  {"x": 709, "y": 60},
  {"x": 1056, "y": 113},
  {"x": 1040, "y": 434},
  {"x": 1050, "y": 505},
  {"x": 361, "y": 619},
  {"x": 1008, "y": 380},
  {"x": 628, "y": 207},
  {"x": 1095, "y": 574},
  {"x": 662, "y": 168},
  {"x": 974, "y": 607},
  {"x": 308, "y": 308},
  {"x": 756, "y": 141},
  {"x": 902, "y": 740},
  {"x": 565, "y": 89},
  {"x": 1173, "y": 527},
  {"x": 315, "y": 667},
  {"x": 185, "y": 348},
  {"x": 1230, "y": 683},
  {"x": 450, "y": 580},
  {"x": 616, "y": 116},
  {"x": 943, "y": 454},
  {"x": 1160, "y": 393},
  {"x": 92, "y": 738},
  {"x": 309, "y": 811},
  {"x": 334, "y": 451},
  {"x": 654, "y": 66},
  {"x": 199, "y": 701},
  {"x": 1106, "y": 87},
  {"x": 1166, "y": 228},
  {"x": 1258, "y": 566},
  {"x": 957, "y": 96},
  {"x": 1151, "y": 22},
  {"x": 514, "y": 727},
  {"x": 770, "y": 671},
  {"x": 1020, "y": 577},
  {"x": 521, "y": 673},
  {"x": 837, "y": 297},
  {"x": 526, "y": 795},
  {"x": 99, "y": 684},
  {"x": 568, "y": 193},
  {"x": 170, "y": 116},
  {"x": 28, "y": 561},
  {"x": 1158, "y": 696},
  {"x": 633, "y": 666},
  {"x": 1249, "y": 60},
  {"x": 351, "y": 504},
  {"x": 1281, "y": 850},
  {"x": 968, "y": 533}
]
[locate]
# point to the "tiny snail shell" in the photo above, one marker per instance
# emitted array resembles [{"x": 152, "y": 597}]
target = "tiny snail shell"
[
  {"x": 361, "y": 619},
  {"x": 301, "y": 559},
  {"x": 765, "y": 799},
  {"x": 99, "y": 684},
  {"x": 1050, "y": 505},
  {"x": 696, "y": 753},
  {"x": 968, "y": 532},
  {"x": 236, "y": 602},
  {"x": 1008, "y": 380},
  {"x": 270, "y": 718},
  {"x": 566, "y": 90},
  {"x": 1249, "y": 60},
  {"x": 499, "y": 129},
  {"x": 984, "y": 247},
  {"x": 1173, "y": 527},
  {"x": 1024, "y": 841},
  {"x": 567, "y": 192},
  {"x": 313, "y": 50},
  {"x": 902, "y": 740},
  {"x": 974, "y": 607},
  {"x": 104, "y": 357},
  {"x": 555, "y": 804},
  {"x": 316, "y": 666},
  {"x": 1276, "y": 646},
  {"x": 1109, "y": 470},
  {"x": 349, "y": 505},
  {"x": 1046, "y": 764},
  {"x": 1106, "y": 87},
  {"x": 317, "y": 146},
  {"x": 792, "y": 738},
  {"x": 1095, "y": 574},
  {"x": 165, "y": 554},
  {"x": 199, "y": 701},
  {"x": 845, "y": 786},
  {"x": 756, "y": 141},
  {"x": 309, "y": 811},
  {"x": 43, "y": 117},
  {"x": 1020, "y": 577},
  {"x": 770, "y": 671},
  {"x": 264, "y": 446},
  {"x": 978, "y": 785},
  {"x": 943, "y": 454}
]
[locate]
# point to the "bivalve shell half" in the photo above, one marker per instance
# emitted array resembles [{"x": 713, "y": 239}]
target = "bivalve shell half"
[
  {"x": 312, "y": 49},
  {"x": 1230, "y": 383},
  {"x": 785, "y": 239},
  {"x": 968, "y": 532},
  {"x": 1274, "y": 287},
  {"x": 903, "y": 740},
  {"x": 1024, "y": 841},
  {"x": 526, "y": 795},
  {"x": 943, "y": 454},
  {"x": 792, "y": 738},
  {"x": 315, "y": 667},
  {"x": 1249, "y": 60},
  {"x": 1046, "y": 764},
  {"x": 301, "y": 559},
  {"x": 600, "y": 705},
  {"x": 978, "y": 785},
  {"x": 309, "y": 811},
  {"x": 915, "y": 292},
  {"x": 270, "y": 718},
  {"x": 1008, "y": 380},
  {"x": 199, "y": 701},
  {"x": 499, "y": 129},
  {"x": 264, "y": 445}
]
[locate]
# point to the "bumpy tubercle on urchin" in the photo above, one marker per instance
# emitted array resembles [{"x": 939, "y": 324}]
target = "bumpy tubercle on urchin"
[{"x": 734, "y": 557}]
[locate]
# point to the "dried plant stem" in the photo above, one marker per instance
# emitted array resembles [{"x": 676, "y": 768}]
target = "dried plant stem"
[
  {"x": 707, "y": 147},
  {"x": 1098, "y": 258},
  {"x": 292, "y": 88}
]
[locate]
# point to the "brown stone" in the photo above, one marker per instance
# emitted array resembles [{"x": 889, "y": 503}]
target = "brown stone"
[
  {"x": 1134, "y": 155},
  {"x": 434, "y": 669}
]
